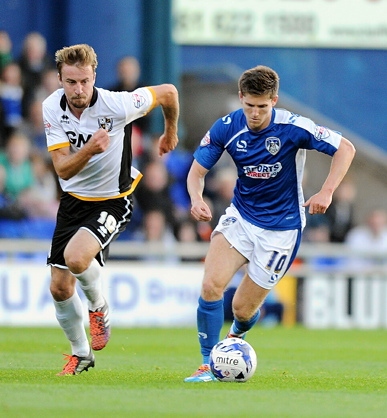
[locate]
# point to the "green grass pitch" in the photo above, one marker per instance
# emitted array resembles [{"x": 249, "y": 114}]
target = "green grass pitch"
[{"x": 301, "y": 373}]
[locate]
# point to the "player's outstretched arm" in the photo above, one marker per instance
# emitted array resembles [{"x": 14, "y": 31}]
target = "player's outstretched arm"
[
  {"x": 195, "y": 185},
  {"x": 341, "y": 162},
  {"x": 168, "y": 98}
]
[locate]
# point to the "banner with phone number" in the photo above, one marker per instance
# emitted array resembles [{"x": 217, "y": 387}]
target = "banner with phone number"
[{"x": 282, "y": 23}]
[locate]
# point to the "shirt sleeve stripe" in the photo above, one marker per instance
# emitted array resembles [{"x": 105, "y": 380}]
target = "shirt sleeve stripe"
[{"x": 58, "y": 146}]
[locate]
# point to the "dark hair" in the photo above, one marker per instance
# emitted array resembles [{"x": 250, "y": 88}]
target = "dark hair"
[{"x": 259, "y": 81}]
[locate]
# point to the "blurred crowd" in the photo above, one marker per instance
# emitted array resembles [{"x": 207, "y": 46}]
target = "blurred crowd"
[
  {"x": 29, "y": 191},
  {"x": 28, "y": 187}
]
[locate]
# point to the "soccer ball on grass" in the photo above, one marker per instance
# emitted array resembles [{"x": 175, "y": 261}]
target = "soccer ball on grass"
[{"x": 233, "y": 360}]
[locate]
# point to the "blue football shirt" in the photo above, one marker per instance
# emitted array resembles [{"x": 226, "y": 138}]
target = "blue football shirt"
[{"x": 270, "y": 164}]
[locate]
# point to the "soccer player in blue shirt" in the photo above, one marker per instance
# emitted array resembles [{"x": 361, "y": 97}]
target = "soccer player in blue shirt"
[{"x": 262, "y": 227}]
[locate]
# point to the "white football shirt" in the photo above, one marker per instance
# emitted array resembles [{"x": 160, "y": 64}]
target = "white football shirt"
[{"x": 109, "y": 174}]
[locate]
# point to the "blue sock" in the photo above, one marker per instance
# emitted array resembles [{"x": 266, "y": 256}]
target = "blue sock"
[
  {"x": 239, "y": 327},
  {"x": 210, "y": 319}
]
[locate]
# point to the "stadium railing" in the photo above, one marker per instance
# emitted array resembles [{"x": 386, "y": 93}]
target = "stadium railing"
[{"x": 314, "y": 257}]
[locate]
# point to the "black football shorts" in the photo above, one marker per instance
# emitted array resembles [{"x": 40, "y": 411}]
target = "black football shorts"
[{"x": 105, "y": 220}]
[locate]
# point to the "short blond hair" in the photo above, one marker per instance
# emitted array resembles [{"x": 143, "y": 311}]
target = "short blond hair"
[{"x": 81, "y": 55}]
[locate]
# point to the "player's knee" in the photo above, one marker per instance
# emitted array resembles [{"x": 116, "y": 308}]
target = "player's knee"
[
  {"x": 75, "y": 261},
  {"x": 62, "y": 289},
  {"x": 60, "y": 293},
  {"x": 212, "y": 290}
]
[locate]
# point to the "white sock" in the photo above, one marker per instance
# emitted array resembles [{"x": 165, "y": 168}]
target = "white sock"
[
  {"x": 91, "y": 284},
  {"x": 69, "y": 314}
]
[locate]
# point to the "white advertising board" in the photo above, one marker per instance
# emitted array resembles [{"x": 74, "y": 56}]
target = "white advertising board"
[
  {"x": 138, "y": 295},
  {"x": 142, "y": 295},
  {"x": 282, "y": 23},
  {"x": 337, "y": 301}
]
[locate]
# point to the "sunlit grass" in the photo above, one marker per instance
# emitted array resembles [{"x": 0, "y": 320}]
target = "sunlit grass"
[{"x": 300, "y": 373}]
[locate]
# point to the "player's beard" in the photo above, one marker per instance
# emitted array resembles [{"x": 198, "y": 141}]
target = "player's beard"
[{"x": 79, "y": 102}]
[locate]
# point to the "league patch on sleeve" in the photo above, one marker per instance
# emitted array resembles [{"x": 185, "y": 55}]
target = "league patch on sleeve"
[
  {"x": 47, "y": 127},
  {"x": 206, "y": 139},
  {"x": 320, "y": 132},
  {"x": 138, "y": 100}
]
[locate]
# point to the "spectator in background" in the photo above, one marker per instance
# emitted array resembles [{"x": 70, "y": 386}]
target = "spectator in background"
[
  {"x": 223, "y": 188},
  {"x": 28, "y": 194},
  {"x": 372, "y": 235},
  {"x": 178, "y": 164},
  {"x": 3, "y": 127},
  {"x": 9, "y": 208},
  {"x": 317, "y": 228},
  {"x": 137, "y": 141},
  {"x": 340, "y": 215},
  {"x": 34, "y": 61},
  {"x": 186, "y": 231},
  {"x": 156, "y": 229},
  {"x": 369, "y": 238},
  {"x": 317, "y": 231},
  {"x": 152, "y": 193},
  {"x": 41, "y": 200},
  {"x": 33, "y": 127},
  {"x": 19, "y": 176},
  {"x": 11, "y": 96},
  {"x": 128, "y": 73},
  {"x": 17, "y": 180},
  {"x": 5, "y": 58},
  {"x": 48, "y": 85},
  {"x": 149, "y": 152},
  {"x": 5, "y": 49}
]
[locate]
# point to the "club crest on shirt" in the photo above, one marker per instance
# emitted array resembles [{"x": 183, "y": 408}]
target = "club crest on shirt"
[
  {"x": 106, "y": 123},
  {"x": 273, "y": 144}
]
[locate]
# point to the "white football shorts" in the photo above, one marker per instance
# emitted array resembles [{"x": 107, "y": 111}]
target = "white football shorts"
[{"x": 270, "y": 253}]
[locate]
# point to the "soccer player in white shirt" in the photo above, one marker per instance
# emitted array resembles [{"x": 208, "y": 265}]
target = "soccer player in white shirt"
[{"x": 88, "y": 137}]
